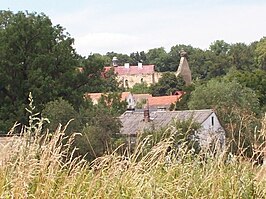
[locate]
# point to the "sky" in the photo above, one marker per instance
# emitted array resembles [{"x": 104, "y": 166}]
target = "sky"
[{"x": 126, "y": 26}]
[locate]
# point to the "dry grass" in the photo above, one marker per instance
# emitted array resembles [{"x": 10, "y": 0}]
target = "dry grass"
[{"x": 37, "y": 167}]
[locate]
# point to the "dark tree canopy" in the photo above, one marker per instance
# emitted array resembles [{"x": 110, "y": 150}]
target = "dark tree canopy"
[{"x": 36, "y": 57}]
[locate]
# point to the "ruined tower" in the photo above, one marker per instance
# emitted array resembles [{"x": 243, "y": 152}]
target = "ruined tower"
[{"x": 183, "y": 68}]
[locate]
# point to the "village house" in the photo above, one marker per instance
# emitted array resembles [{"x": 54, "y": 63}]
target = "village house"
[{"x": 134, "y": 123}]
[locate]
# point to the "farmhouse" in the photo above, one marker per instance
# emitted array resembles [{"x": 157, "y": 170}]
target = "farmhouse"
[{"x": 134, "y": 122}]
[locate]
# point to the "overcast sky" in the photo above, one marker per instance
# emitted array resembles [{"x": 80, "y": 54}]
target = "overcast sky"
[{"x": 125, "y": 26}]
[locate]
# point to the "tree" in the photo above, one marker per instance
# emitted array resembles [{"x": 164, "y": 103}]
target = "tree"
[
  {"x": 261, "y": 53},
  {"x": 100, "y": 131},
  {"x": 242, "y": 57},
  {"x": 140, "y": 88},
  {"x": 110, "y": 83},
  {"x": 137, "y": 57},
  {"x": 182, "y": 104},
  {"x": 167, "y": 84},
  {"x": 122, "y": 58},
  {"x": 256, "y": 80},
  {"x": 159, "y": 58},
  {"x": 36, "y": 57},
  {"x": 220, "y": 47},
  {"x": 61, "y": 112},
  {"x": 112, "y": 103},
  {"x": 236, "y": 107}
]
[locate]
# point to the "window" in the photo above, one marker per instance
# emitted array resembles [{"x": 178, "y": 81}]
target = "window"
[
  {"x": 126, "y": 83},
  {"x": 141, "y": 80}
]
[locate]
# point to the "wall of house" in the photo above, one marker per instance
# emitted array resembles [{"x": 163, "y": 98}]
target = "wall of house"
[
  {"x": 131, "y": 103},
  {"x": 212, "y": 131},
  {"x": 128, "y": 81}
]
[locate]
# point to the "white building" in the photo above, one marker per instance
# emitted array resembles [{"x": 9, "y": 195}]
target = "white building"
[{"x": 210, "y": 128}]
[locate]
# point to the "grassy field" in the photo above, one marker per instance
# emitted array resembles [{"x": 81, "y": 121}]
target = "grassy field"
[{"x": 33, "y": 170}]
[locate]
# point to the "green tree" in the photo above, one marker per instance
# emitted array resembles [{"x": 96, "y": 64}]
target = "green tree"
[
  {"x": 137, "y": 57},
  {"x": 261, "y": 53},
  {"x": 256, "y": 80},
  {"x": 110, "y": 82},
  {"x": 113, "y": 103},
  {"x": 99, "y": 134},
  {"x": 122, "y": 58},
  {"x": 158, "y": 57},
  {"x": 236, "y": 106},
  {"x": 220, "y": 47},
  {"x": 38, "y": 57},
  {"x": 167, "y": 84},
  {"x": 140, "y": 88},
  {"x": 242, "y": 57},
  {"x": 61, "y": 112},
  {"x": 182, "y": 104}
]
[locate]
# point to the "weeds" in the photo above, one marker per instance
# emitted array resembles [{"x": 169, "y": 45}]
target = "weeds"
[{"x": 38, "y": 168}]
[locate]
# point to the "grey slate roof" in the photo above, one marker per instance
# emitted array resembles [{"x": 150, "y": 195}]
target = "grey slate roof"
[{"x": 133, "y": 122}]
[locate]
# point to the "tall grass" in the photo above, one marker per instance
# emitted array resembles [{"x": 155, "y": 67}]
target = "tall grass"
[{"x": 37, "y": 166}]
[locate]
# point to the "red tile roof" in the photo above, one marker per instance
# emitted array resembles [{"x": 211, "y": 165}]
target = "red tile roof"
[
  {"x": 132, "y": 70},
  {"x": 163, "y": 100},
  {"x": 139, "y": 97},
  {"x": 97, "y": 96}
]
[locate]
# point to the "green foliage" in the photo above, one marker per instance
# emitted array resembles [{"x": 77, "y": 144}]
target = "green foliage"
[
  {"x": 110, "y": 83},
  {"x": 220, "y": 47},
  {"x": 96, "y": 126},
  {"x": 122, "y": 58},
  {"x": 242, "y": 57},
  {"x": 98, "y": 135},
  {"x": 93, "y": 77},
  {"x": 182, "y": 134},
  {"x": 36, "y": 57},
  {"x": 140, "y": 88},
  {"x": 256, "y": 80},
  {"x": 112, "y": 103},
  {"x": 61, "y": 112},
  {"x": 138, "y": 57},
  {"x": 167, "y": 84},
  {"x": 182, "y": 104},
  {"x": 38, "y": 170},
  {"x": 235, "y": 106},
  {"x": 261, "y": 53}
]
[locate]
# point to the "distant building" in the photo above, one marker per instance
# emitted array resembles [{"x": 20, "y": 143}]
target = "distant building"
[
  {"x": 134, "y": 123},
  {"x": 125, "y": 96},
  {"x": 139, "y": 101},
  {"x": 130, "y": 75},
  {"x": 164, "y": 102}
]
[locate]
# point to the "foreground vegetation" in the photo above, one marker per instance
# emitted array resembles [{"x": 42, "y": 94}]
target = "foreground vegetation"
[{"x": 35, "y": 166}]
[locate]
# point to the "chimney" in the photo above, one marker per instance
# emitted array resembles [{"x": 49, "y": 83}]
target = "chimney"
[
  {"x": 146, "y": 115},
  {"x": 115, "y": 61},
  {"x": 140, "y": 65},
  {"x": 126, "y": 65}
]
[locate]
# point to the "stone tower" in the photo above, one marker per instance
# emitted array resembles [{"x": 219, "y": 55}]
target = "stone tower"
[{"x": 183, "y": 68}]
